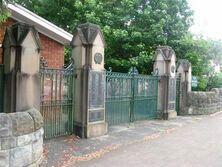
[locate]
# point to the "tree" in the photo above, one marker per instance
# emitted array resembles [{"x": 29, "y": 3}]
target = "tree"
[
  {"x": 215, "y": 81},
  {"x": 131, "y": 35},
  {"x": 215, "y": 51},
  {"x": 3, "y": 11}
]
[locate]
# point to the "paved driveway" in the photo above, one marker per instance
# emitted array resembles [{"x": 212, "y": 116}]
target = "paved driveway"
[{"x": 198, "y": 144}]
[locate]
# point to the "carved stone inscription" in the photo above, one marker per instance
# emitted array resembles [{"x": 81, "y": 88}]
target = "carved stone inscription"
[
  {"x": 97, "y": 115},
  {"x": 172, "y": 94},
  {"x": 96, "y": 89}
]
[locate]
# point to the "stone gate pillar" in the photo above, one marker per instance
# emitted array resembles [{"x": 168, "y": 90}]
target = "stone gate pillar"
[
  {"x": 185, "y": 70},
  {"x": 88, "y": 53},
  {"x": 21, "y": 67},
  {"x": 165, "y": 64}
]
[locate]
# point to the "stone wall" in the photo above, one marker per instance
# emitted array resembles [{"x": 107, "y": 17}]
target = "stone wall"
[
  {"x": 21, "y": 139},
  {"x": 199, "y": 103}
]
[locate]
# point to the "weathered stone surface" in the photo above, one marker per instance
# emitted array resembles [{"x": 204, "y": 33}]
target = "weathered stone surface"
[
  {"x": 8, "y": 143},
  {"x": 37, "y": 117},
  {"x": 199, "y": 103},
  {"x": 21, "y": 139},
  {"x": 4, "y": 158},
  {"x": 24, "y": 140},
  {"x": 21, "y": 156},
  {"x": 22, "y": 123},
  {"x": 172, "y": 114},
  {"x": 37, "y": 135},
  {"x": 98, "y": 129},
  {"x": 5, "y": 132},
  {"x": 21, "y": 130},
  {"x": 37, "y": 163},
  {"x": 37, "y": 148},
  {"x": 165, "y": 65},
  {"x": 5, "y": 125}
]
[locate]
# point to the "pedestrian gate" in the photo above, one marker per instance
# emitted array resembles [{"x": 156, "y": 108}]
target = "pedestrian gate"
[
  {"x": 57, "y": 102},
  {"x": 130, "y": 97}
]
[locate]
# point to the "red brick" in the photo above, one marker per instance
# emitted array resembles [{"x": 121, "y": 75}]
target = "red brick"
[{"x": 51, "y": 50}]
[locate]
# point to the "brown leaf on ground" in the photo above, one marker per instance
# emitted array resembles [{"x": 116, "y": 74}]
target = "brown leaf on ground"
[
  {"x": 74, "y": 159},
  {"x": 45, "y": 152}
]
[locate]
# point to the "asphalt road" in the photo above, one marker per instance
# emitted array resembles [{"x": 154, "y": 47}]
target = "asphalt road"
[{"x": 195, "y": 145}]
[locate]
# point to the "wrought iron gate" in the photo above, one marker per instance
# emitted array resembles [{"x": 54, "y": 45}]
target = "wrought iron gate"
[
  {"x": 118, "y": 97},
  {"x": 145, "y": 90},
  {"x": 57, "y": 101},
  {"x": 130, "y": 97}
]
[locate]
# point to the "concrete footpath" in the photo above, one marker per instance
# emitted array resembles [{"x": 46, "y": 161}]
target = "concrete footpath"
[{"x": 183, "y": 141}]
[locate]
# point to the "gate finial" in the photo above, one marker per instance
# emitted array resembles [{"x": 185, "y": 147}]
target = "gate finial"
[
  {"x": 133, "y": 71},
  {"x": 43, "y": 63}
]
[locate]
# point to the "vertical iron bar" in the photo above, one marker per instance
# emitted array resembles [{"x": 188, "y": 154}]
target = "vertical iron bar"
[{"x": 132, "y": 98}]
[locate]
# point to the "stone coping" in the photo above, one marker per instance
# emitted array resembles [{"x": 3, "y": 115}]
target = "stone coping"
[
  {"x": 21, "y": 139},
  {"x": 20, "y": 123}
]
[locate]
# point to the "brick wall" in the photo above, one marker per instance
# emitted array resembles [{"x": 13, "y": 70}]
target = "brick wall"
[
  {"x": 51, "y": 50},
  {"x": 3, "y": 27}
]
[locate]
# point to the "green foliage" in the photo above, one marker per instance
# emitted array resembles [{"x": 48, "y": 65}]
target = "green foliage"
[
  {"x": 202, "y": 84},
  {"x": 215, "y": 81},
  {"x": 132, "y": 28},
  {"x": 215, "y": 50},
  {"x": 4, "y": 13},
  {"x": 199, "y": 52},
  {"x": 68, "y": 54},
  {"x": 196, "y": 51}
]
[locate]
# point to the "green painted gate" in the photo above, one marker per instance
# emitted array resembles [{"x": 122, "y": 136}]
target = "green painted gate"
[
  {"x": 144, "y": 99},
  {"x": 118, "y": 97},
  {"x": 130, "y": 97},
  {"x": 57, "y": 102}
]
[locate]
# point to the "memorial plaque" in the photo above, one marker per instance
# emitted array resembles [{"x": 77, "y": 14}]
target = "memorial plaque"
[
  {"x": 171, "y": 106},
  {"x": 98, "y": 58},
  {"x": 172, "y": 94},
  {"x": 96, "y": 115},
  {"x": 96, "y": 89}
]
